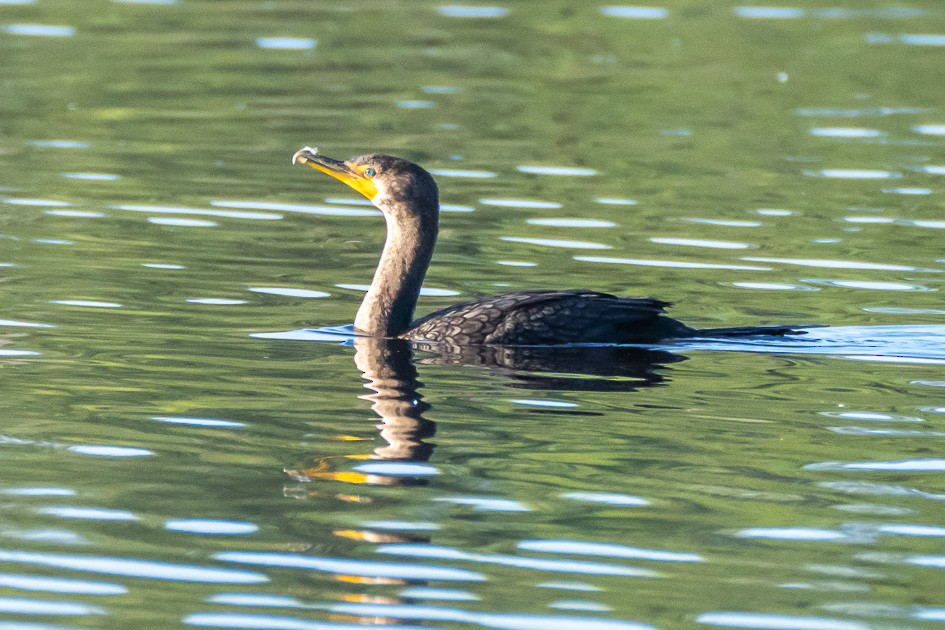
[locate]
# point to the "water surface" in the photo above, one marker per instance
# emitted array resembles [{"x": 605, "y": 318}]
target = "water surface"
[{"x": 172, "y": 455}]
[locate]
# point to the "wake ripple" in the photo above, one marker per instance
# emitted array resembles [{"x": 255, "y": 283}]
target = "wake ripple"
[{"x": 919, "y": 344}]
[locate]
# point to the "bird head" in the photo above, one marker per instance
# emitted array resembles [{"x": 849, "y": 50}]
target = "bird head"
[{"x": 392, "y": 184}]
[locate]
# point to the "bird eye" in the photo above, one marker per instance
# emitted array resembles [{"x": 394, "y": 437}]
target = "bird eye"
[{"x": 370, "y": 172}]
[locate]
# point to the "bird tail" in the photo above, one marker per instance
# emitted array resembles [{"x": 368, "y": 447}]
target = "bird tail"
[{"x": 752, "y": 331}]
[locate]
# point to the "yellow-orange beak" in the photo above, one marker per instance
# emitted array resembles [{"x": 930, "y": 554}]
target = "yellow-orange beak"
[{"x": 351, "y": 174}]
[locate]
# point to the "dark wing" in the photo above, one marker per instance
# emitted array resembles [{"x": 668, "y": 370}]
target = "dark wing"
[{"x": 549, "y": 317}]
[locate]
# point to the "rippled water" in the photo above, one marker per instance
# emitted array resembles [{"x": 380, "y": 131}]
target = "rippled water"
[{"x": 190, "y": 436}]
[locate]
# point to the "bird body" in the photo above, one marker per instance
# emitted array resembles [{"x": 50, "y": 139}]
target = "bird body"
[
  {"x": 409, "y": 198},
  {"x": 549, "y": 317}
]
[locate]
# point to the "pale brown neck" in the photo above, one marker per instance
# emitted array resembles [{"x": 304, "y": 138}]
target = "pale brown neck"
[{"x": 387, "y": 309}]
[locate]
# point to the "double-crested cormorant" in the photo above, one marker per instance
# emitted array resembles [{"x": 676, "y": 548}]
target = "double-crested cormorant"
[{"x": 409, "y": 198}]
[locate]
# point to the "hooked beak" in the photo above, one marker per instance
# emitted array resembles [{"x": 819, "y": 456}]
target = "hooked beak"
[{"x": 351, "y": 174}]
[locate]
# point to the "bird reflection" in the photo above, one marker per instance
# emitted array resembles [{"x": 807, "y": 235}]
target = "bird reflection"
[
  {"x": 562, "y": 368},
  {"x": 389, "y": 368}
]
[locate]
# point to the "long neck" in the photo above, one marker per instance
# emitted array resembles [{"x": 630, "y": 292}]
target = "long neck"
[{"x": 387, "y": 309}]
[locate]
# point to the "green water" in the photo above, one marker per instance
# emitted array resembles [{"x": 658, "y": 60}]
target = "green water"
[{"x": 162, "y": 467}]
